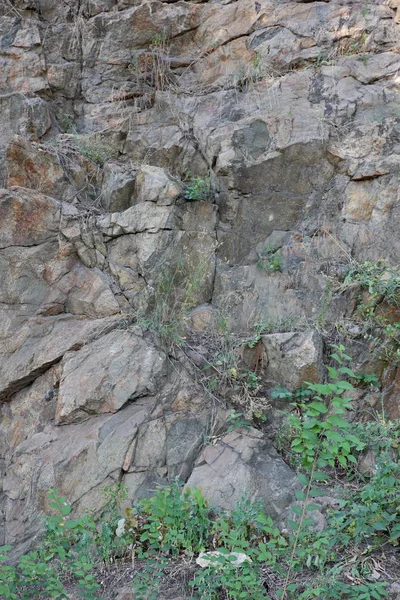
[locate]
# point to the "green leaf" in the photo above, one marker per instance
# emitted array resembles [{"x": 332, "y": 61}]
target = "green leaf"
[
  {"x": 321, "y": 388},
  {"x": 297, "y": 510},
  {"x": 320, "y": 476},
  {"x": 344, "y": 385},
  {"x": 318, "y": 406},
  {"x": 334, "y": 435},
  {"x": 65, "y": 509},
  {"x": 332, "y": 372},
  {"x": 303, "y": 479},
  {"x": 338, "y": 421},
  {"x": 300, "y": 496},
  {"x": 379, "y": 526},
  {"x": 347, "y": 371},
  {"x": 313, "y": 507},
  {"x": 337, "y": 358}
]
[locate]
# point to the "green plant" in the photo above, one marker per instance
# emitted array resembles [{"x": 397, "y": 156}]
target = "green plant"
[
  {"x": 67, "y": 123},
  {"x": 380, "y": 279},
  {"x": 165, "y": 512},
  {"x": 374, "y": 510},
  {"x": 376, "y": 309},
  {"x": 368, "y": 380},
  {"x": 176, "y": 291},
  {"x": 270, "y": 260},
  {"x": 298, "y": 396},
  {"x": 93, "y": 148},
  {"x": 323, "y": 440},
  {"x": 197, "y": 188},
  {"x": 67, "y": 551},
  {"x": 237, "y": 421}
]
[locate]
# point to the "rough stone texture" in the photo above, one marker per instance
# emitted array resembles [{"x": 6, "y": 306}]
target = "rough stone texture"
[
  {"x": 244, "y": 462},
  {"x": 291, "y": 110},
  {"x": 155, "y": 185},
  {"x": 292, "y": 358},
  {"x": 103, "y": 376},
  {"x": 117, "y": 188}
]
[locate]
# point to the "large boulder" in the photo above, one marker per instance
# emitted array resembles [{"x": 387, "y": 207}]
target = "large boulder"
[{"x": 244, "y": 463}]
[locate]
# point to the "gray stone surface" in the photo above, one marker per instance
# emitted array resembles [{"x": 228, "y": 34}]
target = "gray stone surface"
[
  {"x": 244, "y": 463},
  {"x": 291, "y": 110}
]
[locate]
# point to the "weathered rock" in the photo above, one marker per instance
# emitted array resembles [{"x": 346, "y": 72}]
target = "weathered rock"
[
  {"x": 293, "y": 358},
  {"x": 104, "y": 376},
  {"x": 391, "y": 392},
  {"x": 27, "y": 218},
  {"x": 291, "y": 109},
  {"x": 244, "y": 463},
  {"x": 30, "y": 166},
  {"x": 77, "y": 460},
  {"x": 367, "y": 463},
  {"x": 201, "y": 318},
  {"x": 23, "y": 67},
  {"x": 394, "y": 590},
  {"x": 117, "y": 188},
  {"x": 42, "y": 342},
  {"x": 155, "y": 185}
]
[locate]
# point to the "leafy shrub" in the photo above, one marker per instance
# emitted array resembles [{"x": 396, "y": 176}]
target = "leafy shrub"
[
  {"x": 380, "y": 279},
  {"x": 197, "y": 188},
  {"x": 165, "y": 513}
]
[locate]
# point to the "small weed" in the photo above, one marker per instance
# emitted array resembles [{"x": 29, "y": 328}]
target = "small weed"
[
  {"x": 270, "y": 260},
  {"x": 377, "y": 306},
  {"x": 93, "y": 148},
  {"x": 380, "y": 279},
  {"x": 237, "y": 421},
  {"x": 197, "y": 188},
  {"x": 176, "y": 291},
  {"x": 68, "y": 124}
]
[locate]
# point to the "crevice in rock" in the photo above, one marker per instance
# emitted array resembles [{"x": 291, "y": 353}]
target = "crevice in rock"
[{"x": 17, "y": 386}]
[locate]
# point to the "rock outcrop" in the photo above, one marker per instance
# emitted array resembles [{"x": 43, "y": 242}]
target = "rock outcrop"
[{"x": 154, "y": 158}]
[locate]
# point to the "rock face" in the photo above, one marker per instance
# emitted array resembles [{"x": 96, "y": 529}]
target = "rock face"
[
  {"x": 109, "y": 111},
  {"x": 292, "y": 358},
  {"x": 241, "y": 464}
]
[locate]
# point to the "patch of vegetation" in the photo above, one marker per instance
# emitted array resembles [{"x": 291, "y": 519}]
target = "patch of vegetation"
[
  {"x": 270, "y": 260},
  {"x": 70, "y": 551},
  {"x": 94, "y": 148},
  {"x": 67, "y": 122},
  {"x": 197, "y": 188},
  {"x": 176, "y": 524},
  {"x": 378, "y": 305},
  {"x": 267, "y": 326},
  {"x": 380, "y": 279},
  {"x": 176, "y": 291}
]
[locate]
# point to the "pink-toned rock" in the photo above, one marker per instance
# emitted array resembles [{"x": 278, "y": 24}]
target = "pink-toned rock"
[
  {"x": 27, "y": 218},
  {"x": 244, "y": 460},
  {"x": 30, "y": 166}
]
